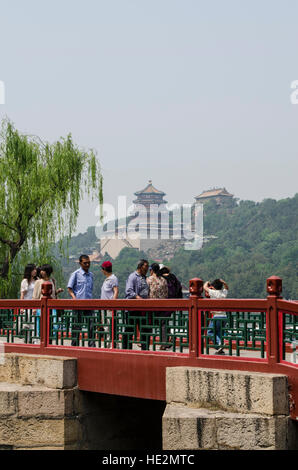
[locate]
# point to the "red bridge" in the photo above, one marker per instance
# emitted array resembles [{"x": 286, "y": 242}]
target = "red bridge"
[{"x": 259, "y": 335}]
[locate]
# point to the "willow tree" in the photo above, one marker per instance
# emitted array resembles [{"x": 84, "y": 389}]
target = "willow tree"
[{"x": 41, "y": 185}]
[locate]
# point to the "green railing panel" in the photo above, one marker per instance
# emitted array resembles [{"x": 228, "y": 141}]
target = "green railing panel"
[
  {"x": 22, "y": 326},
  {"x": 147, "y": 330},
  {"x": 238, "y": 331},
  {"x": 290, "y": 336},
  {"x": 241, "y": 331}
]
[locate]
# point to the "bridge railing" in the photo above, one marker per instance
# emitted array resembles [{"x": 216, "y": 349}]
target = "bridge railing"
[
  {"x": 263, "y": 329},
  {"x": 120, "y": 324},
  {"x": 151, "y": 325},
  {"x": 288, "y": 331}
]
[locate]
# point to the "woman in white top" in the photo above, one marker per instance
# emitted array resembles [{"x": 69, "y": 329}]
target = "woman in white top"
[
  {"x": 45, "y": 275},
  {"x": 27, "y": 287},
  {"x": 218, "y": 289},
  {"x": 28, "y": 283}
]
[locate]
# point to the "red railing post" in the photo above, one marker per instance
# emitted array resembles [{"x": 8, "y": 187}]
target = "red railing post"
[
  {"x": 113, "y": 333},
  {"x": 274, "y": 289},
  {"x": 46, "y": 290},
  {"x": 195, "y": 291}
]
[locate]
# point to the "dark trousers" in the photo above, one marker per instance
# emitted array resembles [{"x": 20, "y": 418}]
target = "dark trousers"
[
  {"x": 78, "y": 317},
  {"x": 132, "y": 320},
  {"x": 216, "y": 332},
  {"x": 164, "y": 325}
]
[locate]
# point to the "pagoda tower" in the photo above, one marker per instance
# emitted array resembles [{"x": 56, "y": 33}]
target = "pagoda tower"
[
  {"x": 151, "y": 208},
  {"x": 149, "y": 196},
  {"x": 149, "y": 224}
]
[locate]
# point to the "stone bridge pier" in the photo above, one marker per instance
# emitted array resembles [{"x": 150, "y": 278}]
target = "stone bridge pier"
[
  {"x": 215, "y": 409},
  {"x": 41, "y": 407}
]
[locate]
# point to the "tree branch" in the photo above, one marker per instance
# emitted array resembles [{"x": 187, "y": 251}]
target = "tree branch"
[
  {"x": 7, "y": 242},
  {"x": 9, "y": 226}
]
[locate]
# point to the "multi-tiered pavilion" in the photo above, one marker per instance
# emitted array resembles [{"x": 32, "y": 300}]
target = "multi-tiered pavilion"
[
  {"x": 149, "y": 196},
  {"x": 153, "y": 215},
  {"x": 147, "y": 224}
]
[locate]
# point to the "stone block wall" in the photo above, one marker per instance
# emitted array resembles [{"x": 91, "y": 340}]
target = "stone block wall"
[
  {"x": 41, "y": 407},
  {"x": 222, "y": 409},
  {"x": 37, "y": 403}
]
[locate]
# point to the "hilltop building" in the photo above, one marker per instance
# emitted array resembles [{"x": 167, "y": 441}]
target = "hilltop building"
[
  {"x": 220, "y": 195},
  {"x": 152, "y": 212},
  {"x": 149, "y": 196},
  {"x": 145, "y": 229}
]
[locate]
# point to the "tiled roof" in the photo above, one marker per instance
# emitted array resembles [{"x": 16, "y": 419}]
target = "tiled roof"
[
  {"x": 150, "y": 189},
  {"x": 214, "y": 192}
]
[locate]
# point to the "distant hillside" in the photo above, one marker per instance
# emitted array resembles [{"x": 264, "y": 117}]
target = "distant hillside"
[{"x": 254, "y": 241}]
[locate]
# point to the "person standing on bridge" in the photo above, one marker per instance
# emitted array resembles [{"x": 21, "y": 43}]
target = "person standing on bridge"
[
  {"x": 218, "y": 289},
  {"x": 174, "y": 292},
  {"x": 158, "y": 289},
  {"x": 28, "y": 282},
  {"x": 45, "y": 273},
  {"x": 137, "y": 288},
  {"x": 109, "y": 291},
  {"x": 80, "y": 286},
  {"x": 27, "y": 287}
]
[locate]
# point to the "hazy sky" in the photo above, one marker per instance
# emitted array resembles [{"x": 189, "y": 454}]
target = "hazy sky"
[{"x": 191, "y": 94}]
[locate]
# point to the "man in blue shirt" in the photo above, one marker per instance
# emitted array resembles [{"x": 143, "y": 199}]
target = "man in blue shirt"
[
  {"x": 80, "y": 286},
  {"x": 137, "y": 288},
  {"x": 136, "y": 284}
]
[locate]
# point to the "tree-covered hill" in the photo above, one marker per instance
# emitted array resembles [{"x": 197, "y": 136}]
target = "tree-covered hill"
[{"x": 253, "y": 241}]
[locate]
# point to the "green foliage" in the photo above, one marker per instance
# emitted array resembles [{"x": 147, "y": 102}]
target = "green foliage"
[
  {"x": 41, "y": 185},
  {"x": 254, "y": 241}
]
